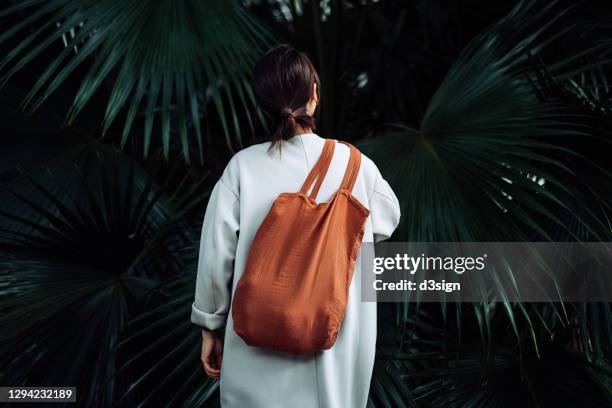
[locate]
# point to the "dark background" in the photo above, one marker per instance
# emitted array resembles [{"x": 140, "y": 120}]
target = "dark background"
[{"x": 98, "y": 241}]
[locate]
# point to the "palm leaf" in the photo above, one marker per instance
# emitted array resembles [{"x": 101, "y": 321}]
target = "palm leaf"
[
  {"x": 492, "y": 162},
  {"x": 79, "y": 267},
  {"x": 474, "y": 170},
  {"x": 440, "y": 366},
  {"x": 165, "y": 336},
  {"x": 172, "y": 57}
]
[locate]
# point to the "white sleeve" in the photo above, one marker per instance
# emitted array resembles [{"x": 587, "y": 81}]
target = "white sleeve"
[
  {"x": 216, "y": 257},
  {"x": 384, "y": 209}
]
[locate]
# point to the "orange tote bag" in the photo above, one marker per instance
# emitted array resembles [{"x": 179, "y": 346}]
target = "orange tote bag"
[{"x": 293, "y": 293}]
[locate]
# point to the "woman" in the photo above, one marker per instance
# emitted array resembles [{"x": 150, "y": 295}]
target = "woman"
[{"x": 286, "y": 86}]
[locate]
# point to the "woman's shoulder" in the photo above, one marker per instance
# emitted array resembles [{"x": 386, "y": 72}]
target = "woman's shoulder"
[
  {"x": 258, "y": 154},
  {"x": 254, "y": 151},
  {"x": 249, "y": 156},
  {"x": 369, "y": 172}
]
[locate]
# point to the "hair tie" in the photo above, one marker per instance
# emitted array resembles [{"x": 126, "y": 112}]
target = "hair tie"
[{"x": 287, "y": 112}]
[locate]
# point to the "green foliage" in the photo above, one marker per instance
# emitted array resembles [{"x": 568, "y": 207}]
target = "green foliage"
[
  {"x": 493, "y": 161},
  {"x": 172, "y": 57},
  {"x": 80, "y": 269},
  {"x": 476, "y": 169},
  {"x": 511, "y": 146}
]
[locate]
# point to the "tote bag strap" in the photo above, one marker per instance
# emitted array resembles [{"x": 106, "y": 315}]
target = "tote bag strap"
[
  {"x": 320, "y": 169},
  {"x": 352, "y": 168}
]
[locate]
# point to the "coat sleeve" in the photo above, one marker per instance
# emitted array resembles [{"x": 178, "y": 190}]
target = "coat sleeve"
[
  {"x": 217, "y": 252},
  {"x": 384, "y": 209}
]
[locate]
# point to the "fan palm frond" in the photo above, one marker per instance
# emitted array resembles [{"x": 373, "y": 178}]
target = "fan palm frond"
[
  {"x": 77, "y": 269},
  {"x": 166, "y": 336},
  {"x": 421, "y": 361},
  {"x": 172, "y": 58},
  {"x": 479, "y": 169},
  {"x": 491, "y": 162}
]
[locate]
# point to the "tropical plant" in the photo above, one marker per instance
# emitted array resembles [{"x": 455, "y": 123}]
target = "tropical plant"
[
  {"x": 174, "y": 351},
  {"x": 493, "y": 161},
  {"x": 173, "y": 57},
  {"x": 475, "y": 172},
  {"x": 78, "y": 265},
  {"x": 498, "y": 135}
]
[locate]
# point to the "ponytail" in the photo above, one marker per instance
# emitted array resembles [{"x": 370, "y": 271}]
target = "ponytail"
[
  {"x": 288, "y": 124},
  {"x": 283, "y": 82}
]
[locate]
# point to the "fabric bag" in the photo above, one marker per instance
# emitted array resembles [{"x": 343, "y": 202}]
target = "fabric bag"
[{"x": 293, "y": 292}]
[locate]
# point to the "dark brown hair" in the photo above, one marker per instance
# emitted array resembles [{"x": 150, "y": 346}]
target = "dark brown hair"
[{"x": 283, "y": 82}]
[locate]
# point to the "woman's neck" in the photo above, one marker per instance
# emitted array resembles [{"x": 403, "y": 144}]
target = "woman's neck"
[{"x": 301, "y": 130}]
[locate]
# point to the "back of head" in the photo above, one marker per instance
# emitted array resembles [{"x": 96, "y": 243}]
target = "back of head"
[{"x": 284, "y": 81}]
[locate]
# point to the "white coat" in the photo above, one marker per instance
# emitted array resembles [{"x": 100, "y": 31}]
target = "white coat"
[{"x": 257, "y": 378}]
